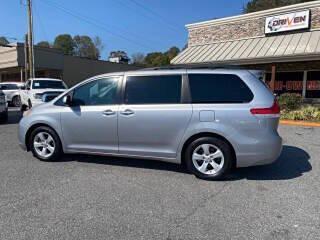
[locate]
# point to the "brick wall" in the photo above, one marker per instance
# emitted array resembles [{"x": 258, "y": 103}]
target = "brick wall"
[{"x": 253, "y": 27}]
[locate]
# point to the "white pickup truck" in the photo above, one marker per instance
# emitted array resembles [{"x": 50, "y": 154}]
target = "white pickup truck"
[{"x": 36, "y": 88}]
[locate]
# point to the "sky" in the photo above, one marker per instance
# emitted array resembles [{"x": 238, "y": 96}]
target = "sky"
[{"x": 131, "y": 25}]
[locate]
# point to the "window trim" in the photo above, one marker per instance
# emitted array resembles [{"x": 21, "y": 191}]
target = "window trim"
[
  {"x": 218, "y": 103},
  {"x": 183, "y": 97}
]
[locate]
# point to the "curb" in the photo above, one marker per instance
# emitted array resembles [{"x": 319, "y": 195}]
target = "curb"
[{"x": 299, "y": 123}]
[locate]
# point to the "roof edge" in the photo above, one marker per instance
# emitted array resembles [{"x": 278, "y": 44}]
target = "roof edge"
[{"x": 264, "y": 13}]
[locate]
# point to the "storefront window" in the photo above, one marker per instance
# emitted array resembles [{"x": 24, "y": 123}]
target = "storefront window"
[
  {"x": 313, "y": 85},
  {"x": 287, "y": 82}
]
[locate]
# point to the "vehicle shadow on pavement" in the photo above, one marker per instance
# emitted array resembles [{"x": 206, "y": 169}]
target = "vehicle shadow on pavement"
[
  {"x": 126, "y": 162},
  {"x": 292, "y": 163}
]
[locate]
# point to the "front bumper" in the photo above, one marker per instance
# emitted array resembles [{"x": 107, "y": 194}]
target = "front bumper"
[{"x": 22, "y": 132}]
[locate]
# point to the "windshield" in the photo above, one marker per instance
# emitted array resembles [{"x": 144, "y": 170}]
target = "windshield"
[{"x": 48, "y": 84}]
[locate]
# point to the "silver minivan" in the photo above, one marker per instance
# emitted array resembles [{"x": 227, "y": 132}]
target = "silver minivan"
[{"x": 210, "y": 120}]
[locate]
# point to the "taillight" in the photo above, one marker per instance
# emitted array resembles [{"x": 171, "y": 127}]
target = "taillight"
[{"x": 274, "y": 109}]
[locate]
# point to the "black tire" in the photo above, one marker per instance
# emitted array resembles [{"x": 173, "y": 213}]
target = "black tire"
[
  {"x": 23, "y": 108},
  {"x": 29, "y": 104},
  {"x": 58, "y": 151},
  {"x": 222, "y": 145},
  {"x": 4, "y": 117},
  {"x": 16, "y": 102}
]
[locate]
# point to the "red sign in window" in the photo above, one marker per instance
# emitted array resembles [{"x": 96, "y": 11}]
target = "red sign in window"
[{"x": 313, "y": 85}]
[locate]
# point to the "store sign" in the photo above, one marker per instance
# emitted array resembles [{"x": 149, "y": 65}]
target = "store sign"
[
  {"x": 296, "y": 85},
  {"x": 287, "y": 22}
]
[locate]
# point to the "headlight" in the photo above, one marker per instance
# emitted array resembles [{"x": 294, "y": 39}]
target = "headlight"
[{"x": 37, "y": 96}]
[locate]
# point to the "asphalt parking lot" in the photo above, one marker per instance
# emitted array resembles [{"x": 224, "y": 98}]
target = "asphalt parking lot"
[{"x": 84, "y": 197}]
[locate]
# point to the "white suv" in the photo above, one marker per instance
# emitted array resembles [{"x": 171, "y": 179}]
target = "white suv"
[{"x": 37, "y": 88}]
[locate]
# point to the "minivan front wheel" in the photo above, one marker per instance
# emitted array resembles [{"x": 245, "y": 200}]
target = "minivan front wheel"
[
  {"x": 45, "y": 144},
  {"x": 209, "y": 158}
]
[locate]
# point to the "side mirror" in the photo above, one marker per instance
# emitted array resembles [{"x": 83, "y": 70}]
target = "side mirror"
[
  {"x": 23, "y": 88},
  {"x": 67, "y": 100},
  {"x": 28, "y": 88}
]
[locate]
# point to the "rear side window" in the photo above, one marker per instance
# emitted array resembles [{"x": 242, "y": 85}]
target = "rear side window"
[
  {"x": 218, "y": 88},
  {"x": 153, "y": 89}
]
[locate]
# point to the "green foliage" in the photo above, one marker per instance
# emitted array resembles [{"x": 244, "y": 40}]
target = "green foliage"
[
  {"x": 65, "y": 43},
  {"x": 157, "y": 59},
  {"x": 259, "y": 5},
  {"x": 290, "y": 101},
  {"x": 3, "y": 41},
  {"x": 85, "y": 47},
  {"x": 44, "y": 44},
  {"x": 309, "y": 113},
  {"x": 82, "y": 46}
]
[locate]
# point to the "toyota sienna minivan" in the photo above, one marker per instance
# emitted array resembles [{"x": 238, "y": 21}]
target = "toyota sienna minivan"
[{"x": 210, "y": 120}]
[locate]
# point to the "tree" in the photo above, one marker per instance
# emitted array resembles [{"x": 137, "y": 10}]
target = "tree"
[
  {"x": 85, "y": 47},
  {"x": 172, "y": 52},
  {"x": 259, "y": 5},
  {"x": 65, "y": 43},
  {"x": 137, "y": 58},
  {"x": 44, "y": 44},
  {"x": 157, "y": 59},
  {"x": 99, "y": 46},
  {"x": 3, "y": 41}
]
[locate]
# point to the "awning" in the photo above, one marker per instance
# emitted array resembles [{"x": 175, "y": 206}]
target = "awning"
[{"x": 280, "y": 48}]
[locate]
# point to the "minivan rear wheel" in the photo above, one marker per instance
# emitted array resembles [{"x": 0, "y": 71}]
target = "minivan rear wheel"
[
  {"x": 45, "y": 144},
  {"x": 209, "y": 158}
]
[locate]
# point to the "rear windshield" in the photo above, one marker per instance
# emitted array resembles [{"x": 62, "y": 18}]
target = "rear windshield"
[
  {"x": 48, "y": 84},
  {"x": 218, "y": 88}
]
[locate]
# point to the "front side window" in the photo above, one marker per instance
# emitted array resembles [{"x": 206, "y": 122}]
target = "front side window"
[
  {"x": 28, "y": 84},
  {"x": 218, "y": 88},
  {"x": 41, "y": 84},
  {"x": 165, "y": 89},
  {"x": 98, "y": 92}
]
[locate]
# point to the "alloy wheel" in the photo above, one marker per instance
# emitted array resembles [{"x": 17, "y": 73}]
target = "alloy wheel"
[
  {"x": 208, "y": 159},
  {"x": 44, "y": 144}
]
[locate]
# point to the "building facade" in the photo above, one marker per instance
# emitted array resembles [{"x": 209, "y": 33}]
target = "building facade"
[
  {"x": 52, "y": 63},
  {"x": 283, "y": 42}
]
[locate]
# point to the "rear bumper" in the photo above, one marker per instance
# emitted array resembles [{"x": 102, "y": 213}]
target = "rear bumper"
[{"x": 263, "y": 152}]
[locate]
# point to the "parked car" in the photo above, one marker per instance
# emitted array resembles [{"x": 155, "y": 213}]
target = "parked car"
[
  {"x": 211, "y": 120},
  {"x": 12, "y": 92},
  {"x": 34, "y": 90},
  {"x": 3, "y": 107}
]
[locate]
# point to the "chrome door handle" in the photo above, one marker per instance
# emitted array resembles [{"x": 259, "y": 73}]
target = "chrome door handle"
[
  {"x": 108, "y": 112},
  {"x": 127, "y": 112}
]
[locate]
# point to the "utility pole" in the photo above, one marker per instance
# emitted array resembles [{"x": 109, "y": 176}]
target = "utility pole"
[
  {"x": 30, "y": 40},
  {"x": 26, "y": 64}
]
